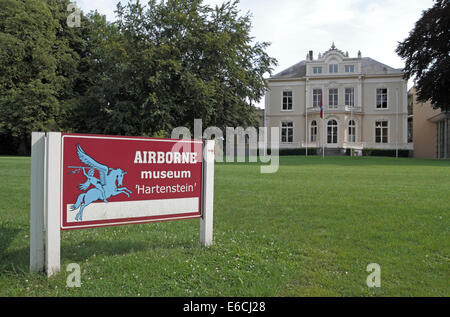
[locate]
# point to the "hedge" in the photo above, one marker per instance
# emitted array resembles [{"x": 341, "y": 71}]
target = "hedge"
[
  {"x": 295, "y": 151},
  {"x": 389, "y": 153}
]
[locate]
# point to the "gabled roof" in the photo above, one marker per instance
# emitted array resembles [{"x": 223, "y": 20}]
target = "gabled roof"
[
  {"x": 369, "y": 66},
  {"x": 296, "y": 71}
]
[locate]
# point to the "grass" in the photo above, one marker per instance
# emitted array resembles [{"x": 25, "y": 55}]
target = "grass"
[{"x": 310, "y": 229}]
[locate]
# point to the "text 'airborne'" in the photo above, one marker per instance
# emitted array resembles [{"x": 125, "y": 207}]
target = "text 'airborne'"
[{"x": 151, "y": 157}]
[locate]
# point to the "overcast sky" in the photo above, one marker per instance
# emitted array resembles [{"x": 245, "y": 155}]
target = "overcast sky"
[{"x": 293, "y": 27}]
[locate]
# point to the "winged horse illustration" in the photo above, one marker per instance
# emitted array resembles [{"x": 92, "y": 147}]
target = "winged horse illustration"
[{"x": 105, "y": 187}]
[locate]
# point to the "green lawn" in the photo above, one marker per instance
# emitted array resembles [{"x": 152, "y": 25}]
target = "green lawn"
[{"x": 310, "y": 229}]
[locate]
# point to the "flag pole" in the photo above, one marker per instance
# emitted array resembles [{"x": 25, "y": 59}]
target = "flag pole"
[
  {"x": 396, "y": 125},
  {"x": 306, "y": 126},
  {"x": 323, "y": 137},
  {"x": 323, "y": 126},
  {"x": 353, "y": 131}
]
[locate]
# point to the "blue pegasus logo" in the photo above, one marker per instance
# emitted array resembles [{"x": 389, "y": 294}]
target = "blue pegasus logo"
[{"x": 104, "y": 187}]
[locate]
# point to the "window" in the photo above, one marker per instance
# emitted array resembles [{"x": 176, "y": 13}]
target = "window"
[
  {"x": 443, "y": 139},
  {"x": 313, "y": 131},
  {"x": 410, "y": 104},
  {"x": 351, "y": 131},
  {"x": 349, "y": 97},
  {"x": 333, "y": 97},
  {"x": 382, "y": 98},
  {"x": 332, "y": 130},
  {"x": 381, "y": 132},
  {"x": 333, "y": 68},
  {"x": 287, "y": 100},
  {"x": 317, "y": 70},
  {"x": 410, "y": 129},
  {"x": 287, "y": 132},
  {"x": 317, "y": 97},
  {"x": 349, "y": 68}
]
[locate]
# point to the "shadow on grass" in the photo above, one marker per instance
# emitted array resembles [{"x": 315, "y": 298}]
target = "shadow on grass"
[
  {"x": 287, "y": 160},
  {"x": 81, "y": 251},
  {"x": 361, "y": 161},
  {"x": 12, "y": 261},
  {"x": 16, "y": 261}
]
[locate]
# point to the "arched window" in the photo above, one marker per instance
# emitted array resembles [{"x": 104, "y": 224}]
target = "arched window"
[
  {"x": 332, "y": 131},
  {"x": 352, "y": 131},
  {"x": 313, "y": 131}
]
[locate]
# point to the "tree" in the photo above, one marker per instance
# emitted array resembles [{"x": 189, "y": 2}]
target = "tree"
[
  {"x": 39, "y": 67},
  {"x": 427, "y": 54},
  {"x": 169, "y": 62},
  {"x": 158, "y": 66}
]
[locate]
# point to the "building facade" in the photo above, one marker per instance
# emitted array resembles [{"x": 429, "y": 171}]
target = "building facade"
[
  {"x": 364, "y": 104},
  {"x": 431, "y": 133}
]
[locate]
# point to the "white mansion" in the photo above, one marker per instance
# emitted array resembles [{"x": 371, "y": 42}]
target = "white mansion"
[{"x": 364, "y": 103}]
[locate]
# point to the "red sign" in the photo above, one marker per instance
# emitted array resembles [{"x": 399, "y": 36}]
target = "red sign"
[{"x": 113, "y": 180}]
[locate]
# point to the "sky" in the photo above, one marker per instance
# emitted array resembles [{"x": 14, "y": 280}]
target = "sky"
[{"x": 294, "y": 27}]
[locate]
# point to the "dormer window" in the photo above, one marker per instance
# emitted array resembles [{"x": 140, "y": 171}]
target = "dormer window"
[
  {"x": 349, "y": 68},
  {"x": 317, "y": 70},
  {"x": 333, "y": 68}
]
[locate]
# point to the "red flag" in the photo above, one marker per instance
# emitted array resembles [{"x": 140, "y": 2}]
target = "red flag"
[{"x": 321, "y": 107}]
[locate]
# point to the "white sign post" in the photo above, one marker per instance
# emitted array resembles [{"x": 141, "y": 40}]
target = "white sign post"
[
  {"x": 206, "y": 221},
  {"x": 37, "y": 202},
  {"x": 47, "y": 207},
  {"x": 45, "y": 202},
  {"x": 53, "y": 204}
]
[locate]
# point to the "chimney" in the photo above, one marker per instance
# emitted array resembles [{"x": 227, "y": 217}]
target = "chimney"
[{"x": 310, "y": 55}]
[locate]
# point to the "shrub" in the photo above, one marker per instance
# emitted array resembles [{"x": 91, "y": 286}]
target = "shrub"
[
  {"x": 382, "y": 152},
  {"x": 295, "y": 151}
]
